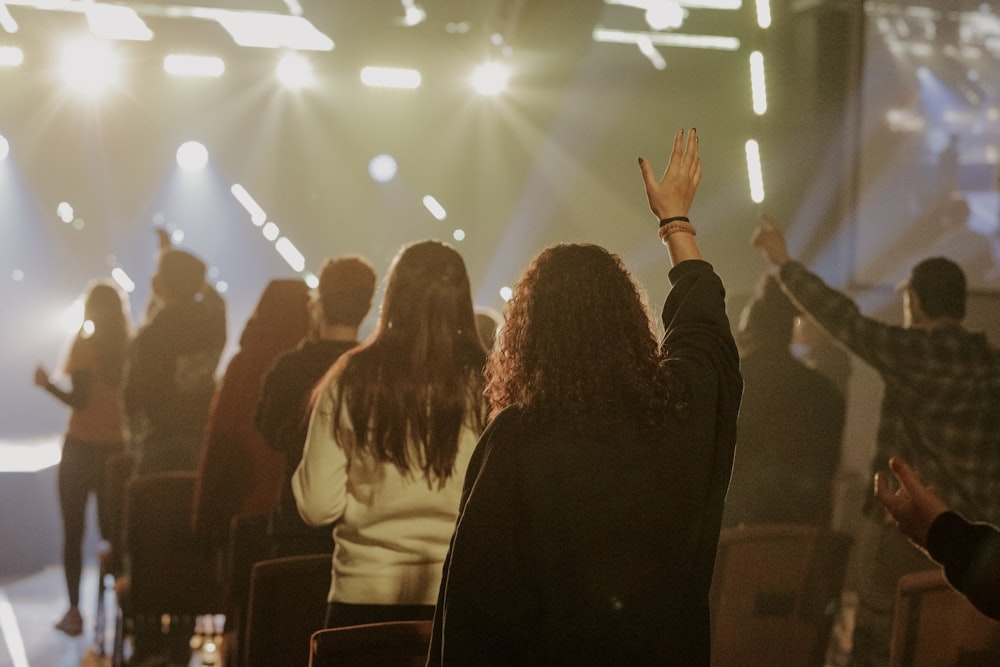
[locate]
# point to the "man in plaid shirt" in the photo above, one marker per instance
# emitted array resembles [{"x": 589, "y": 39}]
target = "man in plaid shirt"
[{"x": 940, "y": 410}]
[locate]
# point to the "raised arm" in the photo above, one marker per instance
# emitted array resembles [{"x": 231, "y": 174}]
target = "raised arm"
[{"x": 670, "y": 197}]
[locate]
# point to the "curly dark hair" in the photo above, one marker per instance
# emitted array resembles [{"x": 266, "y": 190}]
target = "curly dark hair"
[
  {"x": 578, "y": 344},
  {"x": 418, "y": 379}
]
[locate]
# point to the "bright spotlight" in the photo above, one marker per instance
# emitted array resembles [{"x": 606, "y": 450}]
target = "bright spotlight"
[
  {"x": 295, "y": 72},
  {"x": 4, "y": 147},
  {"x": 390, "y": 77},
  {"x": 382, "y": 168},
  {"x": 754, "y": 172},
  {"x": 490, "y": 78},
  {"x": 65, "y": 212},
  {"x": 123, "y": 279},
  {"x": 664, "y": 15},
  {"x": 270, "y": 231},
  {"x": 435, "y": 208},
  {"x": 458, "y": 235},
  {"x": 71, "y": 319},
  {"x": 506, "y": 293},
  {"x": 89, "y": 66},
  {"x": 11, "y": 56},
  {"x": 192, "y": 156}
]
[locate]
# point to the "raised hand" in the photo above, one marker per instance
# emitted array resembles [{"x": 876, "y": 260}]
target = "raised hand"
[
  {"x": 913, "y": 506},
  {"x": 41, "y": 377},
  {"x": 671, "y": 195},
  {"x": 769, "y": 240}
]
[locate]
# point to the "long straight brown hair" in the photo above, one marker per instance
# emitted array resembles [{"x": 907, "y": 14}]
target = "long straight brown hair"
[{"x": 410, "y": 388}]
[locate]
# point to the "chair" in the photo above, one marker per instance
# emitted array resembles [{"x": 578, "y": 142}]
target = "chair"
[
  {"x": 287, "y": 604},
  {"x": 170, "y": 572},
  {"x": 933, "y": 624},
  {"x": 775, "y": 593},
  {"x": 399, "y": 643}
]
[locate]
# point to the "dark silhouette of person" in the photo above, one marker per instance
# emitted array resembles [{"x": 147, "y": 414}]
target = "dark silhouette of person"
[
  {"x": 592, "y": 508},
  {"x": 95, "y": 430},
  {"x": 791, "y": 421},
  {"x": 338, "y": 307},
  {"x": 169, "y": 377}
]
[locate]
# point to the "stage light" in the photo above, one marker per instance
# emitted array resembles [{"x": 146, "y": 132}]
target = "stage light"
[
  {"x": 124, "y": 281},
  {"x": 295, "y": 72},
  {"x": 458, "y": 235},
  {"x": 65, "y": 212},
  {"x": 664, "y": 14},
  {"x": 290, "y": 254},
  {"x": 754, "y": 172},
  {"x": 413, "y": 15},
  {"x": 270, "y": 231},
  {"x": 312, "y": 282},
  {"x": 192, "y": 156},
  {"x": 4, "y": 147},
  {"x": 200, "y": 66},
  {"x": 72, "y": 318},
  {"x": 7, "y": 21},
  {"x": 757, "y": 83},
  {"x": 89, "y": 66},
  {"x": 506, "y": 293},
  {"x": 221, "y": 287},
  {"x": 490, "y": 78},
  {"x": 17, "y": 275},
  {"x": 714, "y": 42},
  {"x": 257, "y": 214},
  {"x": 382, "y": 168},
  {"x": 267, "y": 30},
  {"x": 764, "y": 13},
  {"x": 435, "y": 207},
  {"x": 11, "y": 56},
  {"x": 116, "y": 22},
  {"x": 655, "y": 57},
  {"x": 390, "y": 77}
]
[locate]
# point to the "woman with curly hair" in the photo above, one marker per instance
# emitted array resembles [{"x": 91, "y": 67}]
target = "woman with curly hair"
[
  {"x": 593, "y": 503},
  {"x": 392, "y": 430},
  {"x": 96, "y": 426}
]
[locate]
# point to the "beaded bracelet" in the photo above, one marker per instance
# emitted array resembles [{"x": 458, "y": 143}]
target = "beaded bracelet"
[
  {"x": 676, "y": 226},
  {"x": 682, "y": 218}
]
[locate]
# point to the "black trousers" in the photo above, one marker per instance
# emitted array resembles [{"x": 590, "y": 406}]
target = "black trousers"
[{"x": 81, "y": 472}]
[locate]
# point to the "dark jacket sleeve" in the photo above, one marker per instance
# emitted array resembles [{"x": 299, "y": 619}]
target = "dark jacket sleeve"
[
  {"x": 970, "y": 554},
  {"x": 699, "y": 345}
]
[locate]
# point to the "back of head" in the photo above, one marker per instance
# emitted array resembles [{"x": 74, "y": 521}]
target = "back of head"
[
  {"x": 939, "y": 283},
  {"x": 427, "y": 309},
  {"x": 181, "y": 273},
  {"x": 769, "y": 316},
  {"x": 417, "y": 379},
  {"x": 577, "y": 335},
  {"x": 106, "y": 309},
  {"x": 346, "y": 289},
  {"x": 281, "y": 317}
]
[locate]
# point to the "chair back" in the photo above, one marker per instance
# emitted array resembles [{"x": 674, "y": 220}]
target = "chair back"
[
  {"x": 287, "y": 605},
  {"x": 398, "y": 643},
  {"x": 933, "y": 624},
  {"x": 775, "y": 594},
  {"x": 171, "y": 570}
]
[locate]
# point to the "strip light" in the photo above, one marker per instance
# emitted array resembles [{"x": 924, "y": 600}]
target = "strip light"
[
  {"x": 754, "y": 172},
  {"x": 667, "y": 39}
]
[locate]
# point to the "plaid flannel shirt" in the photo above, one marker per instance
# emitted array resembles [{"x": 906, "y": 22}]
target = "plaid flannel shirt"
[{"x": 941, "y": 406}]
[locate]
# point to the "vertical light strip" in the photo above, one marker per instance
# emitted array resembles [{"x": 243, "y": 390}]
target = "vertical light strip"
[
  {"x": 764, "y": 13},
  {"x": 758, "y": 86},
  {"x": 754, "y": 172},
  {"x": 11, "y": 632}
]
